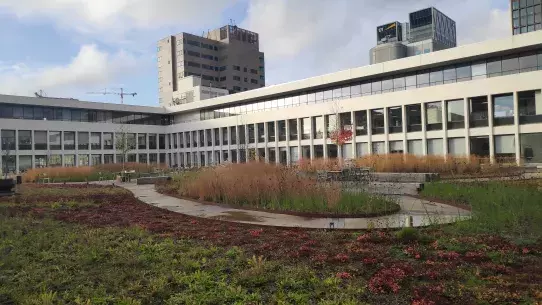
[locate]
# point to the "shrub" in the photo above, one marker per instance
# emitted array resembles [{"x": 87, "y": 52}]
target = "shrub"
[
  {"x": 87, "y": 173},
  {"x": 399, "y": 163},
  {"x": 407, "y": 234}
]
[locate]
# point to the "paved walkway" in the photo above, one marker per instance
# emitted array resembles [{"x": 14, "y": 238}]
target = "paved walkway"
[{"x": 422, "y": 213}]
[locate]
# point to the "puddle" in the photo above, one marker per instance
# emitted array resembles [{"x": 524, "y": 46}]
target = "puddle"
[{"x": 236, "y": 216}]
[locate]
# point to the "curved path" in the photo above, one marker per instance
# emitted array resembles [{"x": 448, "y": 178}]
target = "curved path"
[{"x": 422, "y": 213}]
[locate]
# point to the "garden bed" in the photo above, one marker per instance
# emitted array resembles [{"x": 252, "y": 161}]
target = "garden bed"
[
  {"x": 86, "y": 244},
  {"x": 383, "y": 208}
]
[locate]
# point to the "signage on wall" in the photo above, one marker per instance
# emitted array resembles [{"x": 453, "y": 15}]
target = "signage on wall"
[{"x": 389, "y": 32}]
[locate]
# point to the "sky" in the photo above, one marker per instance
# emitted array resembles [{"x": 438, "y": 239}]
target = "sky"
[{"x": 68, "y": 48}]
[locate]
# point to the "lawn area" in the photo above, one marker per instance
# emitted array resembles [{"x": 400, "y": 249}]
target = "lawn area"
[
  {"x": 498, "y": 207},
  {"x": 275, "y": 188},
  {"x": 99, "y": 245}
]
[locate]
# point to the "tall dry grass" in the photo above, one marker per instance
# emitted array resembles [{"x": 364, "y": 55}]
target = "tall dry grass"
[
  {"x": 254, "y": 183},
  {"x": 399, "y": 163},
  {"x": 86, "y": 173}
]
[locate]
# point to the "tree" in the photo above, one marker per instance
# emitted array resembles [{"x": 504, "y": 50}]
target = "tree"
[
  {"x": 124, "y": 143},
  {"x": 7, "y": 158},
  {"x": 338, "y": 133}
]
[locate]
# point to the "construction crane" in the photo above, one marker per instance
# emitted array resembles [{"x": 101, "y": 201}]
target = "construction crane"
[{"x": 121, "y": 93}]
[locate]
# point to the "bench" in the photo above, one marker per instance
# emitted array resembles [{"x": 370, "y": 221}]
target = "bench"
[{"x": 152, "y": 180}]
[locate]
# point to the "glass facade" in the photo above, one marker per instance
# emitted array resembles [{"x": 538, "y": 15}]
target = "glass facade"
[
  {"x": 503, "y": 110},
  {"x": 40, "y": 140},
  {"x": 490, "y": 67},
  {"x": 478, "y": 116},
  {"x": 377, "y": 121},
  {"x": 530, "y": 107},
  {"x": 433, "y": 116},
  {"x": 526, "y": 16},
  {"x": 395, "y": 120},
  {"x": 414, "y": 117},
  {"x": 361, "y": 122},
  {"x": 47, "y": 113},
  {"x": 25, "y": 140}
]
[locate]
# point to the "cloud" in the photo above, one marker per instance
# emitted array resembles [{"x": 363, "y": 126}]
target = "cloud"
[
  {"x": 91, "y": 68},
  {"x": 117, "y": 16},
  {"x": 324, "y": 36}
]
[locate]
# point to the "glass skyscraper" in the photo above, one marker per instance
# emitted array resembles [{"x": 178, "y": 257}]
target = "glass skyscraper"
[{"x": 526, "y": 16}]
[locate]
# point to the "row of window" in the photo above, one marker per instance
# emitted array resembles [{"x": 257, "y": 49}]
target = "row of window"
[
  {"x": 27, "y": 162},
  {"x": 69, "y": 140},
  {"x": 28, "y": 112},
  {"x": 448, "y": 115},
  {"x": 504, "y": 149},
  {"x": 497, "y": 66},
  {"x": 517, "y": 4}
]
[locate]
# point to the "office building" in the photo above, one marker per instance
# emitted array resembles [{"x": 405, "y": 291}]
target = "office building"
[
  {"x": 526, "y": 16},
  {"x": 483, "y": 99},
  {"x": 428, "y": 30},
  {"x": 227, "y": 58}
]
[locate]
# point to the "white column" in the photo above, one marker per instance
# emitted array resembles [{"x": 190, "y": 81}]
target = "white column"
[
  {"x": 299, "y": 136},
  {"x": 404, "y": 127},
  {"x": 370, "y": 131},
  {"x": 16, "y": 152},
  {"x": 491, "y": 131},
  {"x": 312, "y": 130},
  {"x": 424, "y": 130},
  {"x": 288, "y": 157},
  {"x": 444, "y": 128},
  {"x": 466, "y": 110},
  {"x": 386, "y": 131},
  {"x": 354, "y": 142},
  {"x": 516, "y": 129}
]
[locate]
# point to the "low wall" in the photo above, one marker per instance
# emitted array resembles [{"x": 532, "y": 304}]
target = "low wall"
[
  {"x": 404, "y": 177},
  {"x": 152, "y": 180}
]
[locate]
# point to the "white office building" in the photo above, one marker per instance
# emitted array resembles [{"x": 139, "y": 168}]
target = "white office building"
[{"x": 482, "y": 99}]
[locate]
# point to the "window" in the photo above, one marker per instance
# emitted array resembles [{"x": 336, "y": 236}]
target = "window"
[
  {"x": 305, "y": 128},
  {"x": 436, "y": 77},
  {"x": 142, "y": 141},
  {"x": 25, "y": 139},
  {"x": 8, "y": 141},
  {"x": 503, "y": 110},
  {"x": 271, "y": 131},
  {"x": 479, "y": 146},
  {"x": 528, "y": 62},
  {"x": 505, "y": 148},
  {"x": 414, "y": 117},
  {"x": 95, "y": 141},
  {"x": 225, "y": 138},
  {"x": 530, "y": 107},
  {"x": 261, "y": 132},
  {"x": 531, "y": 151},
  {"x": 449, "y": 75},
  {"x": 108, "y": 140},
  {"x": 318, "y": 127},
  {"x": 361, "y": 122},
  {"x": 195, "y": 138},
  {"x": 415, "y": 147},
  {"x": 292, "y": 126},
  {"x": 153, "y": 141},
  {"x": 281, "y": 126},
  {"x": 478, "y": 116},
  {"x": 479, "y": 70},
  {"x": 201, "y": 135},
  {"x": 456, "y": 114},
  {"x": 395, "y": 120},
  {"x": 510, "y": 65},
  {"x": 464, "y": 73},
  {"x": 233, "y": 136},
  {"x": 396, "y": 147},
  {"x": 494, "y": 68},
  {"x": 40, "y": 140},
  {"x": 69, "y": 140},
  {"x": 433, "y": 116},
  {"x": 209, "y": 137},
  {"x": 377, "y": 121},
  {"x": 236, "y": 68},
  {"x": 83, "y": 140},
  {"x": 457, "y": 146},
  {"x": 379, "y": 148},
  {"x": 422, "y": 79},
  {"x": 435, "y": 147}
]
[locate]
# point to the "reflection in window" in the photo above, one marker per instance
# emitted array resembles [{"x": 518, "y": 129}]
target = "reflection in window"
[
  {"x": 505, "y": 148},
  {"x": 108, "y": 140},
  {"x": 530, "y": 107},
  {"x": 415, "y": 147},
  {"x": 456, "y": 114},
  {"x": 281, "y": 126},
  {"x": 531, "y": 150},
  {"x": 479, "y": 146},
  {"x": 377, "y": 121},
  {"x": 396, "y": 147},
  {"x": 457, "y": 146},
  {"x": 435, "y": 147},
  {"x": 40, "y": 140},
  {"x": 395, "y": 119},
  {"x": 305, "y": 128},
  {"x": 433, "y": 116},
  {"x": 251, "y": 134},
  {"x": 503, "y": 110},
  {"x": 379, "y": 148},
  {"x": 478, "y": 116},
  {"x": 95, "y": 141},
  {"x": 292, "y": 128},
  {"x": 318, "y": 127},
  {"x": 361, "y": 122},
  {"x": 414, "y": 117},
  {"x": 25, "y": 140},
  {"x": 271, "y": 131},
  {"x": 261, "y": 133}
]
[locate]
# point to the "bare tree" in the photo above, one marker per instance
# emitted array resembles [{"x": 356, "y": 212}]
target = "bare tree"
[{"x": 123, "y": 143}]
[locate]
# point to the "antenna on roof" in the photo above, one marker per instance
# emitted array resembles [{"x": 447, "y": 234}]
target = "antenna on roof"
[{"x": 40, "y": 93}]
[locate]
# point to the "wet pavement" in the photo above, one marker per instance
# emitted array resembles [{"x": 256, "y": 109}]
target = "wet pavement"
[{"x": 414, "y": 212}]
